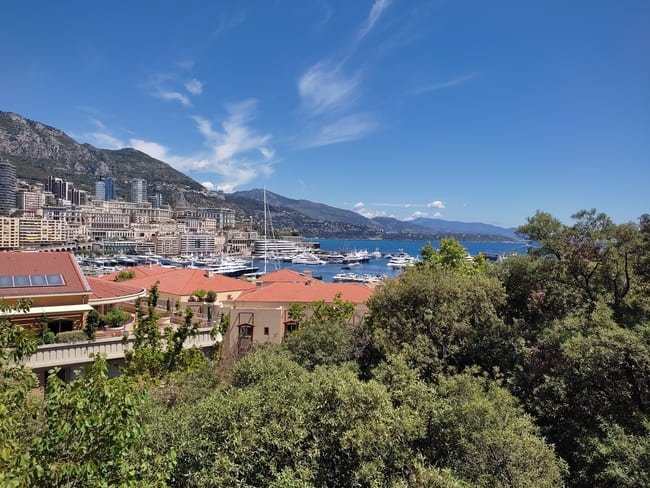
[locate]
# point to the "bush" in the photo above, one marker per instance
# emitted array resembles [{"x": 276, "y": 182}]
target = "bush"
[
  {"x": 115, "y": 318},
  {"x": 48, "y": 337},
  {"x": 211, "y": 297},
  {"x": 125, "y": 275},
  {"x": 71, "y": 336}
]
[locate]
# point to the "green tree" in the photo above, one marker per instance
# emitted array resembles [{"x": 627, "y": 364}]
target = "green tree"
[
  {"x": 92, "y": 323},
  {"x": 93, "y": 435},
  {"x": 156, "y": 354},
  {"x": 453, "y": 256},
  {"x": 595, "y": 258},
  {"x": 325, "y": 335},
  {"x": 441, "y": 322},
  {"x": 18, "y": 408}
]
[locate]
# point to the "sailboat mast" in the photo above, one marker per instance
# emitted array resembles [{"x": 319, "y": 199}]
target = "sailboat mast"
[{"x": 266, "y": 249}]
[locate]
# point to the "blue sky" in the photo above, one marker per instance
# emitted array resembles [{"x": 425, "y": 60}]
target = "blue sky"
[{"x": 466, "y": 110}]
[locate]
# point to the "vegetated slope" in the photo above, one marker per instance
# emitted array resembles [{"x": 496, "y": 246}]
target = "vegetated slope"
[{"x": 39, "y": 151}]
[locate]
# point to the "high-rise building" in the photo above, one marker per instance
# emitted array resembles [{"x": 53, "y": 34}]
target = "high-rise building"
[
  {"x": 100, "y": 190},
  {"x": 7, "y": 188},
  {"x": 138, "y": 190},
  {"x": 109, "y": 189}
]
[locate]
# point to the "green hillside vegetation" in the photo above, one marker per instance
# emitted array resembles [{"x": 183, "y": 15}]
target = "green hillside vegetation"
[
  {"x": 39, "y": 151},
  {"x": 534, "y": 372}
]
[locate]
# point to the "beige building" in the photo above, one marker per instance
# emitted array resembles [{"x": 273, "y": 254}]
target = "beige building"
[
  {"x": 9, "y": 233},
  {"x": 36, "y": 231}
]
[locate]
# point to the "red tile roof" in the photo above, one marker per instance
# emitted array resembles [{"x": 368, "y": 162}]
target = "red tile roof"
[
  {"x": 140, "y": 271},
  {"x": 283, "y": 276},
  {"x": 106, "y": 290},
  {"x": 182, "y": 281},
  {"x": 43, "y": 263},
  {"x": 302, "y": 293}
]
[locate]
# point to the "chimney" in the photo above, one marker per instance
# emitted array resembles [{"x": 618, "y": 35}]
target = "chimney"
[
  {"x": 308, "y": 274},
  {"x": 209, "y": 273}
]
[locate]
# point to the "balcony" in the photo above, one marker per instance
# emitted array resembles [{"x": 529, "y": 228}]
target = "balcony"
[{"x": 78, "y": 353}]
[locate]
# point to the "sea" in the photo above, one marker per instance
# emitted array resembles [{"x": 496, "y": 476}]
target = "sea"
[{"x": 378, "y": 267}]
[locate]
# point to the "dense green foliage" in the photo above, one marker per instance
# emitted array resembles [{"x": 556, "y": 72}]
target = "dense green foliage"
[{"x": 534, "y": 372}]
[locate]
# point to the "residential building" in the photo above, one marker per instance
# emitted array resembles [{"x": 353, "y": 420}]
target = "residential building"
[
  {"x": 138, "y": 190},
  {"x": 30, "y": 200},
  {"x": 52, "y": 281},
  {"x": 262, "y": 314},
  {"x": 7, "y": 188},
  {"x": 198, "y": 245},
  {"x": 35, "y": 231},
  {"x": 9, "y": 233}
]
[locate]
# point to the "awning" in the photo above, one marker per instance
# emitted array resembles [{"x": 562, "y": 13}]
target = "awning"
[{"x": 54, "y": 309}]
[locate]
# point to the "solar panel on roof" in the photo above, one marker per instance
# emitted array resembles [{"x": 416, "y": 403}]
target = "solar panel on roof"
[
  {"x": 38, "y": 280},
  {"x": 55, "y": 280},
  {"x": 28, "y": 281},
  {"x": 22, "y": 280}
]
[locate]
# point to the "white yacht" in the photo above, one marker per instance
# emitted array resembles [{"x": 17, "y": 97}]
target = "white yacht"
[
  {"x": 306, "y": 258},
  {"x": 401, "y": 260}
]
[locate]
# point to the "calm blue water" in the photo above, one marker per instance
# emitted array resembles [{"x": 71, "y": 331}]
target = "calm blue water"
[{"x": 378, "y": 266}]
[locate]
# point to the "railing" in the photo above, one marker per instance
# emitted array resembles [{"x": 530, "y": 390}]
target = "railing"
[{"x": 51, "y": 355}]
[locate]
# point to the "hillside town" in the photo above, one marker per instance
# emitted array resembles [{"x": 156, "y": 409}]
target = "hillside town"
[{"x": 54, "y": 215}]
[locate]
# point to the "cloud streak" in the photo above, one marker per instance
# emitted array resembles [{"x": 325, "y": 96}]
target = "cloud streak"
[
  {"x": 324, "y": 87},
  {"x": 348, "y": 128},
  {"x": 442, "y": 85},
  {"x": 375, "y": 12},
  {"x": 328, "y": 94}
]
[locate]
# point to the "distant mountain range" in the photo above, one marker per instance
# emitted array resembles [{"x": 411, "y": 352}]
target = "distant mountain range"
[
  {"x": 39, "y": 151},
  {"x": 284, "y": 209}
]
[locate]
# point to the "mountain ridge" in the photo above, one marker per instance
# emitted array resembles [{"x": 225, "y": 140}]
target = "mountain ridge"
[{"x": 38, "y": 150}]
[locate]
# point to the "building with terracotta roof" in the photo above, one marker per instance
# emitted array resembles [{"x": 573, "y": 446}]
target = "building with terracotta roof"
[
  {"x": 107, "y": 294},
  {"x": 52, "y": 281},
  {"x": 262, "y": 315},
  {"x": 177, "y": 285}
]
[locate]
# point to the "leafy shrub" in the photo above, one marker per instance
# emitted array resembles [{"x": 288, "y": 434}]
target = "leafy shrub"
[
  {"x": 211, "y": 297},
  {"x": 115, "y": 318},
  {"x": 124, "y": 275},
  {"x": 49, "y": 337},
  {"x": 71, "y": 336}
]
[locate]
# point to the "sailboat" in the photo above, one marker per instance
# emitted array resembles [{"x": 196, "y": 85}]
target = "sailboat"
[{"x": 266, "y": 243}]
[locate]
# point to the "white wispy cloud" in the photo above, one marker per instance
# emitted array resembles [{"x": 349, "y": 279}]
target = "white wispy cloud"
[
  {"x": 400, "y": 205},
  {"x": 100, "y": 137},
  {"x": 324, "y": 87},
  {"x": 443, "y": 84},
  {"x": 415, "y": 215},
  {"x": 165, "y": 94},
  {"x": 375, "y": 12},
  {"x": 437, "y": 214},
  {"x": 436, "y": 204},
  {"x": 228, "y": 22},
  {"x": 153, "y": 149},
  {"x": 329, "y": 92},
  {"x": 234, "y": 151},
  {"x": 194, "y": 86},
  {"x": 348, "y": 128}
]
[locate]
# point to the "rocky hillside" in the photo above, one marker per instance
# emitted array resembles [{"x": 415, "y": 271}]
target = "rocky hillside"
[{"x": 39, "y": 151}]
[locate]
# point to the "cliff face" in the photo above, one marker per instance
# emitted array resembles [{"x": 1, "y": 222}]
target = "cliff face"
[{"x": 39, "y": 151}]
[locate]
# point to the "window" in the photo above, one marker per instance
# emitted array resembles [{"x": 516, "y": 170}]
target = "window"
[
  {"x": 266, "y": 331},
  {"x": 289, "y": 327}
]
